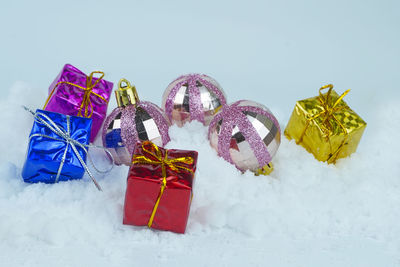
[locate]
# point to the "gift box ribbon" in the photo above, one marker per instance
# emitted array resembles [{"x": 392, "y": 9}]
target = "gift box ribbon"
[
  {"x": 156, "y": 158},
  {"x": 329, "y": 108},
  {"x": 65, "y": 137},
  {"x": 86, "y": 102}
]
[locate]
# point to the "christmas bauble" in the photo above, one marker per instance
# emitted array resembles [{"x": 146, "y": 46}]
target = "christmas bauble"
[
  {"x": 247, "y": 135},
  {"x": 193, "y": 97},
  {"x": 133, "y": 121}
]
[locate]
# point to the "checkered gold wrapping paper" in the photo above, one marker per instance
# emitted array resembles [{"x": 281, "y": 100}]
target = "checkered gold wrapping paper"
[{"x": 325, "y": 143}]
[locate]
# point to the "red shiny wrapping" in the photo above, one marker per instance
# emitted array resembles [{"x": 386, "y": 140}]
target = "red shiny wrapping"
[{"x": 143, "y": 188}]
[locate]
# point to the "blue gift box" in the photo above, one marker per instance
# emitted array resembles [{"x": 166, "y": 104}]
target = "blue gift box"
[{"x": 47, "y": 148}]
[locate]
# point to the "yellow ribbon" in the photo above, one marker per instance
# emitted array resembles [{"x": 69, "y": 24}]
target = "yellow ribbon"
[
  {"x": 328, "y": 110},
  {"x": 86, "y": 102},
  {"x": 173, "y": 164}
]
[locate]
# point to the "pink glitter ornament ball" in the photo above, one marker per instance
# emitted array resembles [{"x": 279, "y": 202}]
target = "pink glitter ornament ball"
[
  {"x": 247, "y": 135},
  {"x": 133, "y": 121},
  {"x": 193, "y": 97}
]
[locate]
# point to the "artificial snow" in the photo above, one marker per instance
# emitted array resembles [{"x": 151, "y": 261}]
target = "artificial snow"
[{"x": 305, "y": 213}]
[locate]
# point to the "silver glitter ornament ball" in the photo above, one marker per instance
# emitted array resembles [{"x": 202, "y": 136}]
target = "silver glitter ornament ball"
[
  {"x": 131, "y": 122},
  {"x": 247, "y": 135},
  {"x": 193, "y": 97}
]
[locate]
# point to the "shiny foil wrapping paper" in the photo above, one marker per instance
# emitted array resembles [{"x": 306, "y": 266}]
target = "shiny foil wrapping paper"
[
  {"x": 193, "y": 97},
  {"x": 143, "y": 189},
  {"x": 45, "y": 154},
  {"x": 67, "y": 99},
  {"x": 245, "y": 134},
  {"x": 319, "y": 141},
  {"x": 126, "y": 126}
]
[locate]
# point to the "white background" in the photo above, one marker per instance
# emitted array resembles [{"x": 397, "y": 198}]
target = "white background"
[{"x": 275, "y": 52}]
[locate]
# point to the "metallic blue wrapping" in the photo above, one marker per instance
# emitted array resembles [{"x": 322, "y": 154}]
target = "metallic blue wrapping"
[{"x": 45, "y": 154}]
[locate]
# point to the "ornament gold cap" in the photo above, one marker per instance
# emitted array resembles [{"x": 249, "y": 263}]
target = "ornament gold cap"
[
  {"x": 126, "y": 93},
  {"x": 266, "y": 170}
]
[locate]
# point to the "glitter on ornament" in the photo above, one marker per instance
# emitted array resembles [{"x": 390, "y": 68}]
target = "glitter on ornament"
[
  {"x": 131, "y": 122},
  {"x": 247, "y": 135},
  {"x": 193, "y": 97}
]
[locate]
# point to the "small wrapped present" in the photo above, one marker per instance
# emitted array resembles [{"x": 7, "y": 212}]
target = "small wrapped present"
[
  {"x": 74, "y": 93},
  {"x": 57, "y": 148},
  {"x": 326, "y": 126},
  {"x": 159, "y": 187}
]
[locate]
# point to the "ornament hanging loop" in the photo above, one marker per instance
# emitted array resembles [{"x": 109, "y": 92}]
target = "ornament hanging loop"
[
  {"x": 265, "y": 170},
  {"x": 124, "y": 83},
  {"x": 126, "y": 93}
]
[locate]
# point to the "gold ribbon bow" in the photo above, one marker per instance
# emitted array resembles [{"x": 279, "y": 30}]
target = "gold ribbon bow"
[
  {"x": 158, "y": 159},
  {"x": 86, "y": 102},
  {"x": 328, "y": 111}
]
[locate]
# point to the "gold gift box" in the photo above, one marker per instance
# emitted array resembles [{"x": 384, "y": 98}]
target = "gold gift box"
[{"x": 326, "y": 126}]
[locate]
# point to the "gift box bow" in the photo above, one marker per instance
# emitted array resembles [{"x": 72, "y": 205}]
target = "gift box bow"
[
  {"x": 65, "y": 136},
  {"x": 153, "y": 155},
  {"x": 327, "y": 111},
  {"x": 86, "y": 104}
]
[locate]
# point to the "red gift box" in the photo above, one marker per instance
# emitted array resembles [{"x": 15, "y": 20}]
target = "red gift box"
[{"x": 159, "y": 187}]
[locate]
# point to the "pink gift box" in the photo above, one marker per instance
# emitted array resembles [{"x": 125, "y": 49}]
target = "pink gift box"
[{"x": 74, "y": 93}]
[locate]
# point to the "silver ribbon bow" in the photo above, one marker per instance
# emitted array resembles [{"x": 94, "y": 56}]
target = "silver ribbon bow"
[{"x": 66, "y": 137}]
